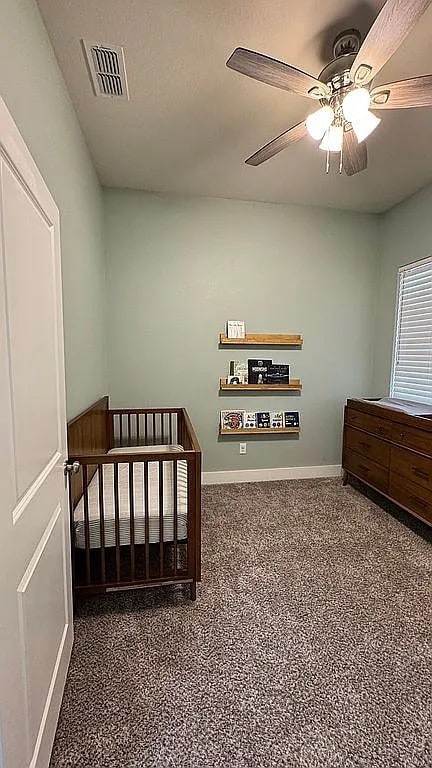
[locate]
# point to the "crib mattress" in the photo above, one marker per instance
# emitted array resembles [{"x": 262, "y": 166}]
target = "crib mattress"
[{"x": 139, "y": 512}]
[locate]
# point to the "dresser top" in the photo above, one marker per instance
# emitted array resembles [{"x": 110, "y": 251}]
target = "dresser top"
[{"x": 402, "y": 411}]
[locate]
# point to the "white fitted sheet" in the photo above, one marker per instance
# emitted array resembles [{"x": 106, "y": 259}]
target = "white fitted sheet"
[{"x": 124, "y": 501}]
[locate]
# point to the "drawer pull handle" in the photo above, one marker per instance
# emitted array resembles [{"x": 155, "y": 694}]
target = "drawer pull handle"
[
  {"x": 420, "y": 473},
  {"x": 364, "y": 445},
  {"x": 419, "y": 502},
  {"x": 363, "y": 468},
  {"x": 402, "y": 435}
]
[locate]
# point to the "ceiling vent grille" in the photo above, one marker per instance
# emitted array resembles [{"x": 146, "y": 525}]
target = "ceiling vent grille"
[{"x": 107, "y": 70}]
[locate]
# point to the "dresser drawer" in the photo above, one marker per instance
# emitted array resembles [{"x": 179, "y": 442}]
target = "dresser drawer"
[
  {"x": 414, "y": 466},
  {"x": 366, "y": 470},
  {"x": 412, "y": 496},
  {"x": 368, "y": 446},
  {"x": 372, "y": 424},
  {"x": 416, "y": 439}
]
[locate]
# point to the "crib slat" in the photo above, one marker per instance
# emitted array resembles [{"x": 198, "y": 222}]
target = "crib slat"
[
  {"x": 146, "y": 520},
  {"x": 129, "y": 422},
  {"x": 86, "y": 524},
  {"x": 132, "y": 518},
  {"x": 101, "y": 521},
  {"x": 154, "y": 428},
  {"x": 175, "y": 513},
  {"x": 145, "y": 430},
  {"x": 72, "y": 527},
  {"x": 117, "y": 520},
  {"x": 170, "y": 428},
  {"x": 121, "y": 428},
  {"x": 191, "y": 518},
  {"x": 138, "y": 428},
  {"x": 162, "y": 428},
  {"x": 161, "y": 518}
]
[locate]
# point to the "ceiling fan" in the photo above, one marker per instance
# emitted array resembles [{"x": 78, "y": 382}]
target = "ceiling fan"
[{"x": 344, "y": 87}]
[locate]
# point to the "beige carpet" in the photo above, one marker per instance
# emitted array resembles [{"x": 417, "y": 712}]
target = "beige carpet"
[{"x": 307, "y": 646}]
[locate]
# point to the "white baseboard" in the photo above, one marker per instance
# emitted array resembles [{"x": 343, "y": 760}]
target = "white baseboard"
[{"x": 277, "y": 473}]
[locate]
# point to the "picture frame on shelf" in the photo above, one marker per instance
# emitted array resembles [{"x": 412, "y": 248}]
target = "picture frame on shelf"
[
  {"x": 291, "y": 419},
  {"x": 276, "y": 419},
  {"x": 250, "y": 420},
  {"x": 263, "y": 420},
  {"x": 236, "y": 329},
  {"x": 239, "y": 369},
  {"x": 232, "y": 420},
  {"x": 257, "y": 371},
  {"x": 278, "y": 373}
]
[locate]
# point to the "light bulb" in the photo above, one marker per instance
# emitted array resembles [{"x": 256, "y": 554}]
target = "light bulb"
[
  {"x": 318, "y": 122},
  {"x": 364, "y": 126},
  {"x": 355, "y": 104},
  {"x": 333, "y": 138}
]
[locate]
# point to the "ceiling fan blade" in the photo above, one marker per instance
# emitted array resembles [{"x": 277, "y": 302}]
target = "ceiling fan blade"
[
  {"x": 404, "y": 94},
  {"x": 390, "y": 28},
  {"x": 354, "y": 154},
  {"x": 277, "y": 145},
  {"x": 276, "y": 73}
]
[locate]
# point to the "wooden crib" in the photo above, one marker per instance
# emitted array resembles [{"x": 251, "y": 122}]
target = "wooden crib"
[{"x": 135, "y": 499}]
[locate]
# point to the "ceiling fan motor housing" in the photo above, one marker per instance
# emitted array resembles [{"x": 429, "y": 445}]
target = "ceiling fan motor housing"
[
  {"x": 348, "y": 41},
  {"x": 336, "y": 74}
]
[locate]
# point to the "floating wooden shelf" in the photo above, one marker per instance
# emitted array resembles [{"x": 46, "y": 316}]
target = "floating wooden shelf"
[
  {"x": 264, "y": 340},
  {"x": 295, "y": 385},
  {"x": 264, "y": 431}
]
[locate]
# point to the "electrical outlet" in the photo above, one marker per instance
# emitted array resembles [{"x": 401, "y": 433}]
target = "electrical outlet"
[{"x": 243, "y": 449}]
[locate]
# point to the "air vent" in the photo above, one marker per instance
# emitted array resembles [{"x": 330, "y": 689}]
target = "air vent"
[{"x": 106, "y": 69}]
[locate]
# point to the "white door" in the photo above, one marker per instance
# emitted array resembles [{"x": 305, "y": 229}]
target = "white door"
[{"x": 35, "y": 591}]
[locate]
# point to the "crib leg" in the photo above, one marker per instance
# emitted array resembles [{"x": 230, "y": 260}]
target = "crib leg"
[
  {"x": 193, "y": 591},
  {"x": 345, "y": 478}
]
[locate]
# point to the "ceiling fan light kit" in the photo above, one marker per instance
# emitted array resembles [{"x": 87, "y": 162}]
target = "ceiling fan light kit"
[
  {"x": 355, "y": 104},
  {"x": 364, "y": 125},
  {"x": 344, "y": 87},
  {"x": 318, "y": 122},
  {"x": 333, "y": 139}
]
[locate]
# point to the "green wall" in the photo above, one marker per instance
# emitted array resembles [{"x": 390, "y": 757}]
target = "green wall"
[
  {"x": 405, "y": 235},
  {"x": 34, "y": 91},
  {"x": 178, "y": 268}
]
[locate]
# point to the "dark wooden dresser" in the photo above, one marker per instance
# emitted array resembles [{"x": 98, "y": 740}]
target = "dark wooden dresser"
[{"x": 388, "y": 446}]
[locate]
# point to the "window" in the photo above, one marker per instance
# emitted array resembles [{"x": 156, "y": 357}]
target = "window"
[{"x": 412, "y": 355}]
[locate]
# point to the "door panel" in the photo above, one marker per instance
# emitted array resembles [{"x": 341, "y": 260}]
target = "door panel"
[
  {"x": 42, "y": 620},
  {"x": 30, "y": 295},
  {"x": 35, "y": 580}
]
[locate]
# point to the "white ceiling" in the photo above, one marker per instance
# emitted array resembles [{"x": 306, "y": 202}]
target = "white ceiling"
[{"x": 190, "y": 121}]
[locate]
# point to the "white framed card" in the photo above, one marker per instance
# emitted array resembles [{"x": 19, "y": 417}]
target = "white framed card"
[{"x": 235, "y": 329}]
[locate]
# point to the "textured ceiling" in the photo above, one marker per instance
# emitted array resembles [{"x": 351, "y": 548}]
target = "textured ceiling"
[{"x": 190, "y": 121}]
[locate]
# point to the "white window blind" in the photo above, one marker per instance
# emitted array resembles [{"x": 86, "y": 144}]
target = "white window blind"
[{"x": 412, "y": 356}]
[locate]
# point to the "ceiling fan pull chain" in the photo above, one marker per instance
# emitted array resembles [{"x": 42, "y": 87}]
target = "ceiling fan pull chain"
[
  {"x": 327, "y": 161},
  {"x": 341, "y": 159}
]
